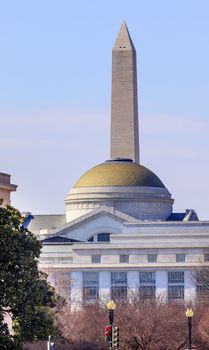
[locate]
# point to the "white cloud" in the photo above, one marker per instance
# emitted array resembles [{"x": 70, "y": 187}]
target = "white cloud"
[
  {"x": 162, "y": 124},
  {"x": 39, "y": 129},
  {"x": 43, "y": 148}
]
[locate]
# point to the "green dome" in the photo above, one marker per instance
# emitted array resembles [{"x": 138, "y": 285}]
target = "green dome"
[{"x": 118, "y": 172}]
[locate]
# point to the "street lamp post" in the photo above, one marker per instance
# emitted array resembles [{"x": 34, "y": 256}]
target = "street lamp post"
[
  {"x": 111, "y": 308},
  {"x": 50, "y": 343},
  {"x": 189, "y": 314}
]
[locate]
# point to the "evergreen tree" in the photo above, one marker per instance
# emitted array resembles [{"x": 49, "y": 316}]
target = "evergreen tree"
[{"x": 24, "y": 291}]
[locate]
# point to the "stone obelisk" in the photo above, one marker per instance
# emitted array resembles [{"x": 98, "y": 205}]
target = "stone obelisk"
[{"x": 124, "y": 108}]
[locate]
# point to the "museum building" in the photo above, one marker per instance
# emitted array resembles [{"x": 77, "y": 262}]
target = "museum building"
[{"x": 119, "y": 234}]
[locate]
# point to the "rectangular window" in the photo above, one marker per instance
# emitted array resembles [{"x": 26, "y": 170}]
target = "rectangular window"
[
  {"x": 103, "y": 237},
  {"x": 206, "y": 257},
  {"x": 146, "y": 277},
  {"x": 124, "y": 258},
  {"x": 175, "y": 292},
  {"x": 118, "y": 285},
  {"x": 96, "y": 259},
  {"x": 90, "y": 286},
  {"x": 175, "y": 285},
  {"x": 147, "y": 288},
  {"x": 152, "y": 258},
  {"x": 180, "y": 257},
  {"x": 176, "y": 277}
]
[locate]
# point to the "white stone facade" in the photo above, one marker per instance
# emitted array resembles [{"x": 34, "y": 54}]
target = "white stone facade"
[
  {"x": 141, "y": 202},
  {"x": 133, "y": 285},
  {"x": 138, "y": 241}
]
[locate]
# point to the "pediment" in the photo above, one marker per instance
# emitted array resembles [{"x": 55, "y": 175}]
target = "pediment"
[{"x": 104, "y": 218}]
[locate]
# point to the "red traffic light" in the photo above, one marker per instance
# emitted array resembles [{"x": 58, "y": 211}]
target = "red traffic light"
[
  {"x": 107, "y": 330},
  {"x": 108, "y": 333}
]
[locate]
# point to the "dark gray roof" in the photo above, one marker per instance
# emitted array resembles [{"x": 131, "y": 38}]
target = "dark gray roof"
[
  {"x": 176, "y": 217},
  {"x": 58, "y": 239},
  {"x": 188, "y": 215},
  {"x": 49, "y": 222}
]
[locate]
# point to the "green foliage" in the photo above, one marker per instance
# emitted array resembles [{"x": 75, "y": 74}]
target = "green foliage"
[
  {"x": 24, "y": 290},
  {"x": 6, "y": 341},
  {"x": 39, "y": 321}
]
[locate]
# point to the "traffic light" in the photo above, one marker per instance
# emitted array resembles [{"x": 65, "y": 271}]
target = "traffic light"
[
  {"x": 115, "y": 338},
  {"x": 108, "y": 333}
]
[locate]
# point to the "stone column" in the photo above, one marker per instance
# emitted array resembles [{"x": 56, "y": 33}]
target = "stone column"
[
  {"x": 133, "y": 282},
  {"x": 161, "y": 284},
  {"x": 76, "y": 290},
  {"x": 189, "y": 286},
  {"x": 104, "y": 286}
]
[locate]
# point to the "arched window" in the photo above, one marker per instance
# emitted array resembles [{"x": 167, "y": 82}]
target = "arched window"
[
  {"x": 103, "y": 237},
  {"x": 100, "y": 237}
]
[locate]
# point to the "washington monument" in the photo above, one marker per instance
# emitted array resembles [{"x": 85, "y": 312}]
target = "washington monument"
[{"x": 124, "y": 108}]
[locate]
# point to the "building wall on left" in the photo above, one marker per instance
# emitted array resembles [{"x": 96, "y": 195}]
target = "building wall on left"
[{"x": 6, "y": 188}]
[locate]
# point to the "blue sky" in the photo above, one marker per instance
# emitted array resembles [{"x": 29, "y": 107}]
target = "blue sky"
[{"x": 55, "y": 90}]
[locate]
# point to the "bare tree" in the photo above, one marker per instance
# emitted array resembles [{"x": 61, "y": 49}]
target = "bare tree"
[
  {"x": 152, "y": 325},
  {"x": 144, "y": 325},
  {"x": 201, "y": 277}
]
